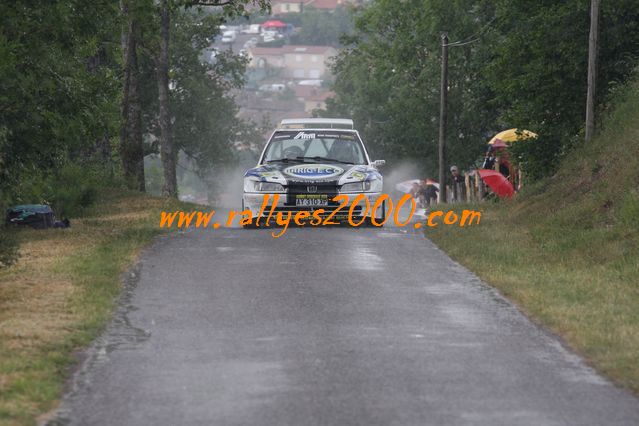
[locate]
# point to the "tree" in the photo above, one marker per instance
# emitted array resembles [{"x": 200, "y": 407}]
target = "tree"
[
  {"x": 131, "y": 143},
  {"x": 167, "y": 149},
  {"x": 387, "y": 79},
  {"x": 202, "y": 113},
  {"x": 538, "y": 70},
  {"x": 323, "y": 28},
  {"x": 518, "y": 64},
  {"x": 58, "y": 90},
  {"x": 592, "y": 68}
]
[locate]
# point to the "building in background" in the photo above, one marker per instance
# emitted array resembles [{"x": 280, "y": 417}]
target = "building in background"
[
  {"x": 325, "y": 4},
  {"x": 282, "y": 7},
  {"x": 266, "y": 57},
  {"x": 296, "y": 62},
  {"x": 312, "y": 97}
]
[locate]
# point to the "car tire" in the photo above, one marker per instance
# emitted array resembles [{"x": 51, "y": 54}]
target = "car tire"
[
  {"x": 250, "y": 226},
  {"x": 369, "y": 221}
]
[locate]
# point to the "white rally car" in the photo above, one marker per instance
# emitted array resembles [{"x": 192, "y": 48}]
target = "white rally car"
[{"x": 310, "y": 161}]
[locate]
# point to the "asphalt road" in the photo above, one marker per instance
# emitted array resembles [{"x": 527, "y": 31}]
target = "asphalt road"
[{"x": 326, "y": 327}]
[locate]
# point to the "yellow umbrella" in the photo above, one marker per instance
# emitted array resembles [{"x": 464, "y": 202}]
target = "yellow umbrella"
[{"x": 512, "y": 136}]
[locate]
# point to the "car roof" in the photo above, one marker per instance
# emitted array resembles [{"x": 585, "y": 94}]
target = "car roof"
[
  {"x": 314, "y": 129},
  {"x": 316, "y": 123}
]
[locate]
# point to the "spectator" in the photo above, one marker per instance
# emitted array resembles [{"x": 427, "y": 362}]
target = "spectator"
[
  {"x": 429, "y": 193},
  {"x": 504, "y": 166},
  {"x": 456, "y": 176},
  {"x": 489, "y": 159},
  {"x": 416, "y": 192},
  {"x": 457, "y": 183}
]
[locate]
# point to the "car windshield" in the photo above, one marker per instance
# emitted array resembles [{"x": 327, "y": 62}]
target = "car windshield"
[{"x": 315, "y": 146}]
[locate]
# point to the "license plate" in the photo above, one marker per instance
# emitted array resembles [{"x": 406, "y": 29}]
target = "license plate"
[{"x": 311, "y": 200}]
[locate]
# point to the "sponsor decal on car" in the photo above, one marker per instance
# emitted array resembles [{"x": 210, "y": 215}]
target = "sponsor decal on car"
[
  {"x": 358, "y": 175},
  {"x": 269, "y": 174},
  {"x": 302, "y": 135},
  {"x": 314, "y": 171}
]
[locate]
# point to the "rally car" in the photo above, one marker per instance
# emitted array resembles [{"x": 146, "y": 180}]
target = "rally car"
[{"x": 310, "y": 161}]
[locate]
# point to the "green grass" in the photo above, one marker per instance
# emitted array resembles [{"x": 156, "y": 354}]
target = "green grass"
[
  {"x": 61, "y": 293},
  {"x": 567, "y": 249}
]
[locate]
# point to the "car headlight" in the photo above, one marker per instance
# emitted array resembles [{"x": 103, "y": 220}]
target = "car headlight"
[
  {"x": 374, "y": 185},
  {"x": 353, "y": 187},
  {"x": 255, "y": 186}
]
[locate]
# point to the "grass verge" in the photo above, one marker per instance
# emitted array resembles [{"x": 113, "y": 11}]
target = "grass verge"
[
  {"x": 60, "y": 294},
  {"x": 567, "y": 249},
  {"x": 582, "y": 284}
]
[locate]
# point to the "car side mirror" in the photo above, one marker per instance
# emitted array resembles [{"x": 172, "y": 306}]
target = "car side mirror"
[{"x": 379, "y": 163}]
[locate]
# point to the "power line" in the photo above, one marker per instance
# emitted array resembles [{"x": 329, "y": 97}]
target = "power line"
[
  {"x": 459, "y": 43},
  {"x": 475, "y": 37}
]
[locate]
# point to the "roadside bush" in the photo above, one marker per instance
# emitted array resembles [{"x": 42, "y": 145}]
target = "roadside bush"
[
  {"x": 539, "y": 157},
  {"x": 69, "y": 190},
  {"x": 74, "y": 188}
]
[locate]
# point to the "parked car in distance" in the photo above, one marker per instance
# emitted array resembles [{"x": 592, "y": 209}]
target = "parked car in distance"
[
  {"x": 315, "y": 83},
  {"x": 229, "y": 37},
  {"x": 274, "y": 88},
  {"x": 250, "y": 43},
  {"x": 251, "y": 29},
  {"x": 268, "y": 36}
]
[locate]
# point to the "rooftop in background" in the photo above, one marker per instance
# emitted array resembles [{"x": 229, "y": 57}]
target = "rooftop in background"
[
  {"x": 273, "y": 23},
  {"x": 332, "y": 4},
  {"x": 290, "y": 48},
  {"x": 316, "y": 123},
  {"x": 312, "y": 93},
  {"x": 324, "y": 4}
]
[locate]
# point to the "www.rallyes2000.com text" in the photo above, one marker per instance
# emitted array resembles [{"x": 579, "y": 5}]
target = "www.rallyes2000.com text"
[{"x": 320, "y": 217}]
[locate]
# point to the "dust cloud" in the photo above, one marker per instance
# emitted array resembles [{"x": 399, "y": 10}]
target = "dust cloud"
[
  {"x": 399, "y": 173},
  {"x": 229, "y": 189}
]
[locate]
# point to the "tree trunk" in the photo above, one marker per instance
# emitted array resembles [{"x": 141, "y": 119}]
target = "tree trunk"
[
  {"x": 167, "y": 151},
  {"x": 124, "y": 106},
  {"x": 131, "y": 143},
  {"x": 593, "y": 41},
  {"x": 135, "y": 112}
]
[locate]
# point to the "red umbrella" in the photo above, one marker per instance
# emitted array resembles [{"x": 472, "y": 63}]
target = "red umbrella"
[
  {"x": 273, "y": 23},
  {"x": 498, "y": 183}
]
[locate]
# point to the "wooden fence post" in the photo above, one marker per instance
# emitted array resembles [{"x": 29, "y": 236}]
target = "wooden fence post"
[{"x": 480, "y": 187}]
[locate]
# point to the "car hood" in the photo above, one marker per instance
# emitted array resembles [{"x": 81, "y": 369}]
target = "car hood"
[{"x": 338, "y": 174}]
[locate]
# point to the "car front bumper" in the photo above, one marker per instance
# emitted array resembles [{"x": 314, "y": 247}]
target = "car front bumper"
[{"x": 255, "y": 202}]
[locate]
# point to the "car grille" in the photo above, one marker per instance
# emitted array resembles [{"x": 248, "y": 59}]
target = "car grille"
[
  {"x": 357, "y": 211},
  {"x": 328, "y": 188},
  {"x": 327, "y": 209},
  {"x": 320, "y": 188}
]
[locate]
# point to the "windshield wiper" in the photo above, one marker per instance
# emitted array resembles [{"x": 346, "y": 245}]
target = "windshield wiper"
[
  {"x": 318, "y": 158},
  {"x": 284, "y": 160}
]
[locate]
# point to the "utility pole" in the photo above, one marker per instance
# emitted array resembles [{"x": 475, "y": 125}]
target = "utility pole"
[
  {"x": 593, "y": 42},
  {"x": 443, "y": 104}
]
